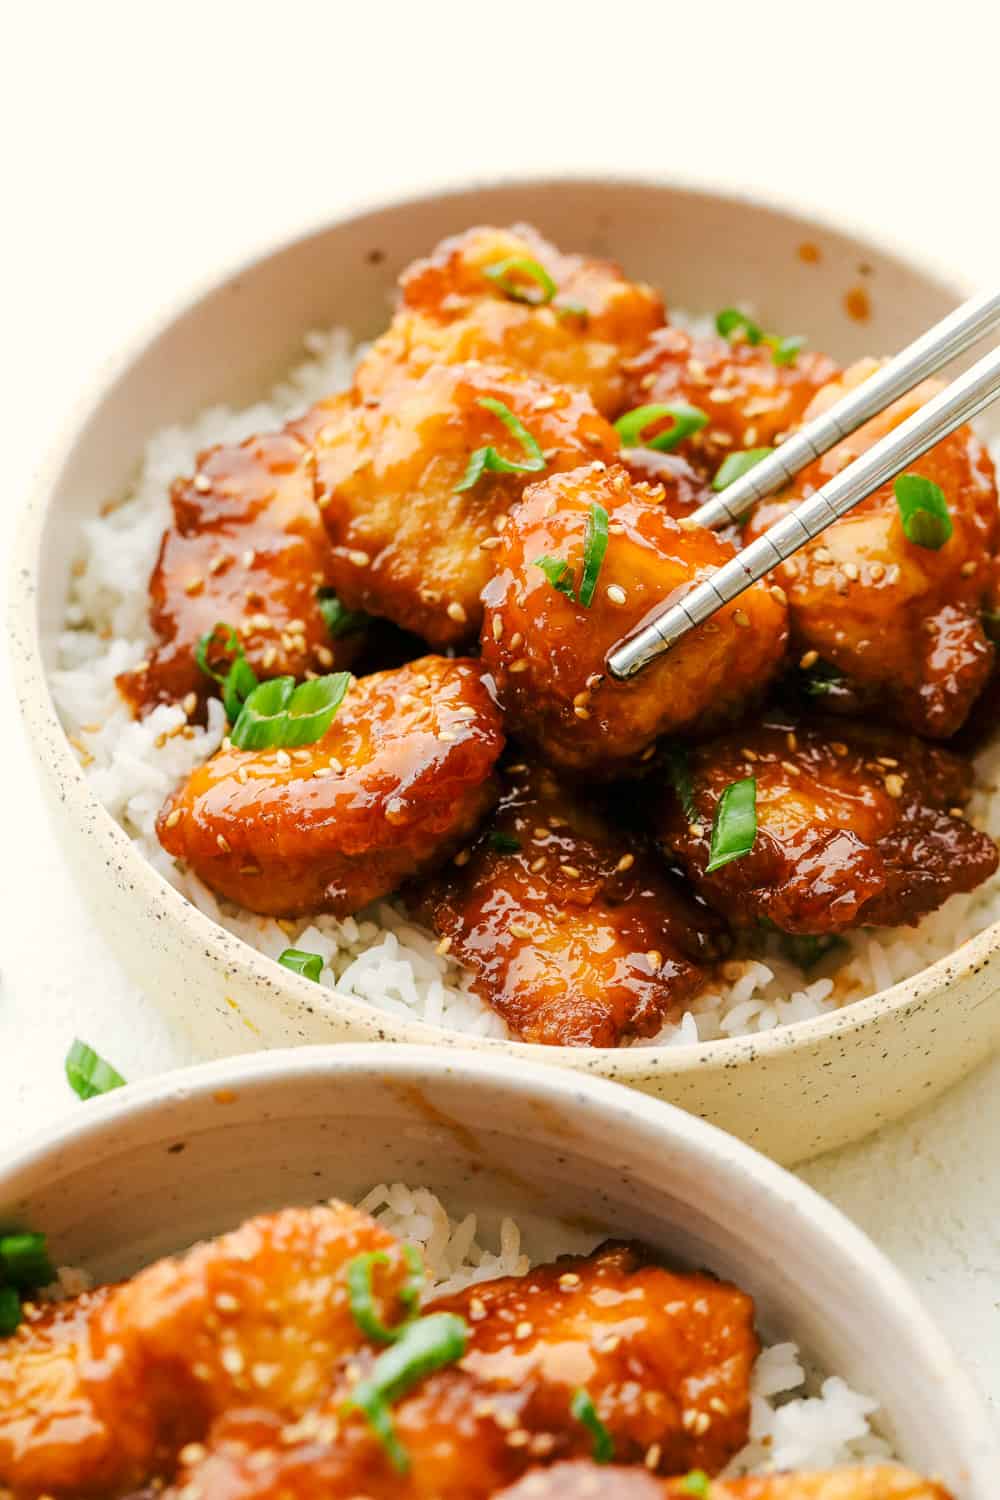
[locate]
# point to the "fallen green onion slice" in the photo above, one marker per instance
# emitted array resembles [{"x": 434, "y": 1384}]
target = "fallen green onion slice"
[
  {"x": 822, "y": 679},
  {"x": 696, "y": 1483},
  {"x": 424, "y": 1345},
  {"x": 686, "y": 420},
  {"x": 735, "y": 465},
  {"x": 559, "y": 573},
  {"x": 310, "y": 965},
  {"x": 10, "y": 1310},
  {"x": 24, "y": 1261},
  {"x": 583, "y": 1410},
  {"x": 501, "y": 273},
  {"x": 595, "y": 544},
  {"x": 239, "y": 678},
  {"x": 783, "y": 350},
  {"x": 278, "y": 714},
  {"x": 410, "y": 1292},
  {"x": 924, "y": 511},
  {"x": 679, "y": 771},
  {"x": 503, "y": 843},
  {"x": 88, "y": 1074},
  {"x": 361, "y": 1294},
  {"x": 734, "y": 827},
  {"x": 488, "y": 459},
  {"x": 339, "y": 620}
]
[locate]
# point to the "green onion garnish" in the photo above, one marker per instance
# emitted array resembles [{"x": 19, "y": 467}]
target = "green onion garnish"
[
  {"x": 239, "y": 679},
  {"x": 559, "y": 573},
  {"x": 361, "y": 1293},
  {"x": 696, "y": 1483},
  {"x": 278, "y": 714},
  {"x": 503, "y": 843},
  {"x": 735, "y": 465},
  {"x": 423, "y": 1346},
  {"x": 686, "y": 420},
  {"x": 501, "y": 273},
  {"x": 595, "y": 544},
  {"x": 489, "y": 459},
  {"x": 339, "y": 621},
  {"x": 10, "y": 1310},
  {"x": 734, "y": 827},
  {"x": 679, "y": 771},
  {"x": 583, "y": 1410},
  {"x": 88, "y": 1074},
  {"x": 571, "y": 310},
  {"x": 822, "y": 679},
  {"x": 310, "y": 965},
  {"x": 783, "y": 350},
  {"x": 924, "y": 510},
  {"x": 24, "y": 1261}
]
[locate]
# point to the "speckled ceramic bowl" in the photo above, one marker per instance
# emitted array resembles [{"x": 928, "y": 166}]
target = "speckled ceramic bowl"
[
  {"x": 794, "y": 1091},
  {"x": 146, "y": 1171}
]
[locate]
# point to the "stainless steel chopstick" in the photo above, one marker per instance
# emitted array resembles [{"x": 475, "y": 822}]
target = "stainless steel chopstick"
[
  {"x": 927, "y": 354},
  {"x": 967, "y": 395}
]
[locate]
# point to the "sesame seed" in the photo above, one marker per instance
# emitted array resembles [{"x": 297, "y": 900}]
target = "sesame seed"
[
  {"x": 654, "y": 959},
  {"x": 242, "y": 775},
  {"x": 851, "y": 571},
  {"x": 358, "y": 558},
  {"x": 887, "y": 760},
  {"x": 956, "y": 812},
  {"x": 741, "y": 618},
  {"x": 519, "y": 1438},
  {"x": 748, "y": 754},
  {"x": 876, "y": 572},
  {"x": 189, "y": 703},
  {"x": 625, "y": 863},
  {"x": 516, "y": 640},
  {"x": 324, "y": 656},
  {"x": 443, "y": 945},
  {"x": 791, "y": 568},
  {"x": 838, "y": 747},
  {"x": 568, "y": 1280},
  {"x": 537, "y": 864},
  {"x": 231, "y": 1360},
  {"x": 489, "y": 542},
  {"x": 284, "y": 759},
  {"x": 192, "y": 1453},
  {"x": 521, "y": 665},
  {"x": 968, "y": 568},
  {"x": 462, "y": 857},
  {"x": 894, "y": 785},
  {"x": 497, "y": 627},
  {"x": 226, "y": 1302},
  {"x": 456, "y": 612},
  {"x": 223, "y": 843},
  {"x": 616, "y": 593},
  {"x": 518, "y": 930},
  {"x": 778, "y": 594},
  {"x": 823, "y": 555},
  {"x": 571, "y": 871},
  {"x": 582, "y": 713},
  {"x": 202, "y": 483},
  {"x": 789, "y": 767},
  {"x": 695, "y": 830},
  {"x": 335, "y": 765},
  {"x": 269, "y": 658},
  {"x": 582, "y": 699},
  {"x": 809, "y": 659},
  {"x": 173, "y": 818},
  {"x": 194, "y": 585},
  {"x": 524, "y": 1330},
  {"x": 791, "y": 740},
  {"x": 652, "y": 1456},
  {"x": 218, "y": 563},
  {"x": 477, "y": 1311},
  {"x": 247, "y": 557}
]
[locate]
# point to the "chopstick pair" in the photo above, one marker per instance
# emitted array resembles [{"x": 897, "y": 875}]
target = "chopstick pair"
[{"x": 966, "y": 396}]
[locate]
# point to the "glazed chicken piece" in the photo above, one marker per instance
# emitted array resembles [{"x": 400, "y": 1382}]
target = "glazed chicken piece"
[
  {"x": 408, "y": 541},
  {"x": 547, "y": 651},
  {"x": 665, "y": 1359},
  {"x": 247, "y": 547},
  {"x": 856, "y": 826},
  {"x": 750, "y": 401},
  {"x": 901, "y": 622},
  {"x": 453, "y": 311},
  {"x": 580, "y": 1480},
  {"x": 573, "y": 933},
  {"x": 400, "y": 779},
  {"x": 98, "y": 1395}
]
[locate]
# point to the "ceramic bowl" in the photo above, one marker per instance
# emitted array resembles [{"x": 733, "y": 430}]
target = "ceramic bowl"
[
  {"x": 794, "y": 1091},
  {"x": 146, "y": 1171}
]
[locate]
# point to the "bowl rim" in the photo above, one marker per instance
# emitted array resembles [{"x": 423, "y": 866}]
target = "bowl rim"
[
  {"x": 48, "y": 737},
  {"x": 626, "y": 1114}
]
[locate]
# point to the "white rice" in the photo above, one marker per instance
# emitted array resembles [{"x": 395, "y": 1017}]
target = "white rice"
[{"x": 380, "y": 956}]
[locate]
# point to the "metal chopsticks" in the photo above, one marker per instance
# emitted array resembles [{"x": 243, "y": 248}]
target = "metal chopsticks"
[{"x": 957, "y": 403}]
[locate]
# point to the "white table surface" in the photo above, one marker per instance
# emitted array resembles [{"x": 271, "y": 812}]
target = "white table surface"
[{"x": 151, "y": 145}]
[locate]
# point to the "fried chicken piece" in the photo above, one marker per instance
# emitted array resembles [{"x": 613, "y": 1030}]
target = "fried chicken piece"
[
  {"x": 547, "y": 651},
  {"x": 452, "y": 311},
  {"x": 401, "y": 777},
  {"x": 407, "y": 541},
  {"x": 664, "y": 1358},
  {"x": 247, "y": 547},
  {"x": 98, "y": 1395},
  {"x": 582, "y": 1480},
  {"x": 900, "y": 621},
  {"x": 573, "y": 933},
  {"x": 856, "y": 826},
  {"x": 749, "y": 400}
]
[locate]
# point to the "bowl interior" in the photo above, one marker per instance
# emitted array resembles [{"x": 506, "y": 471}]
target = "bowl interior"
[{"x": 149, "y": 1171}]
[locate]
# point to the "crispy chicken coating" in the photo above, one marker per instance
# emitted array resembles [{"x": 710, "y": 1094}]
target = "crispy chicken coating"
[
  {"x": 407, "y": 541},
  {"x": 901, "y": 622},
  {"x": 547, "y": 651},
  {"x": 573, "y": 933},
  {"x": 856, "y": 826},
  {"x": 582, "y": 1480},
  {"x": 452, "y": 311},
  {"x": 247, "y": 547},
  {"x": 664, "y": 1358},
  {"x": 98, "y": 1395},
  {"x": 401, "y": 777},
  {"x": 749, "y": 400}
]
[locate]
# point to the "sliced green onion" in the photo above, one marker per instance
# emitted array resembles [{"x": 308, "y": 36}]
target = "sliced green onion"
[
  {"x": 735, "y": 465},
  {"x": 411, "y": 1290},
  {"x": 679, "y": 771},
  {"x": 559, "y": 573},
  {"x": 501, "y": 273},
  {"x": 310, "y": 965},
  {"x": 503, "y": 843},
  {"x": 784, "y": 351},
  {"x": 88, "y": 1074},
  {"x": 10, "y": 1310},
  {"x": 339, "y": 620},
  {"x": 230, "y": 643},
  {"x": 734, "y": 827},
  {"x": 239, "y": 684},
  {"x": 595, "y": 544},
  {"x": 239, "y": 678},
  {"x": 361, "y": 1294},
  {"x": 278, "y": 714},
  {"x": 571, "y": 310},
  {"x": 488, "y": 459},
  {"x": 822, "y": 679},
  {"x": 423, "y": 1346},
  {"x": 924, "y": 510},
  {"x": 686, "y": 420},
  {"x": 730, "y": 320},
  {"x": 696, "y": 1483},
  {"x": 583, "y": 1410},
  {"x": 24, "y": 1261}
]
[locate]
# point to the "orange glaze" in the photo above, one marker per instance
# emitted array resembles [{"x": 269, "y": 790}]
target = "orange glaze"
[
  {"x": 247, "y": 547},
  {"x": 547, "y": 653},
  {"x": 583, "y": 1480},
  {"x": 452, "y": 312},
  {"x": 406, "y": 544},
  {"x": 402, "y": 776},
  {"x": 856, "y": 826},
  {"x": 576, "y": 937}
]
